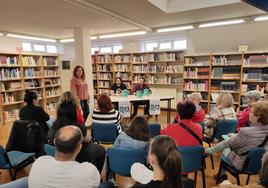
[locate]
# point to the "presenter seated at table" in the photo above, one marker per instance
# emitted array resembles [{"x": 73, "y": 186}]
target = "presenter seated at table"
[
  {"x": 141, "y": 86},
  {"x": 117, "y": 87}
]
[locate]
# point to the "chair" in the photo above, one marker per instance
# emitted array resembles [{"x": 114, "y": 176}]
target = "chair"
[
  {"x": 222, "y": 128},
  {"x": 154, "y": 129},
  {"x": 104, "y": 133},
  {"x": 50, "y": 150},
  {"x": 202, "y": 125},
  {"x": 19, "y": 183},
  {"x": 14, "y": 160},
  {"x": 120, "y": 160},
  {"x": 193, "y": 161},
  {"x": 251, "y": 166}
]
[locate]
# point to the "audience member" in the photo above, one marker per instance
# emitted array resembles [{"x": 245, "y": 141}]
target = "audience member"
[
  {"x": 105, "y": 113},
  {"x": 223, "y": 111},
  {"x": 32, "y": 111},
  {"x": 66, "y": 115},
  {"x": 63, "y": 170},
  {"x": 69, "y": 96},
  {"x": 236, "y": 148},
  {"x": 243, "y": 118},
  {"x": 137, "y": 135},
  {"x": 199, "y": 114},
  {"x": 186, "y": 132},
  {"x": 166, "y": 162}
]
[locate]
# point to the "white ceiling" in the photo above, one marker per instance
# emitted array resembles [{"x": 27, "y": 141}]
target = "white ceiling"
[{"x": 57, "y": 18}]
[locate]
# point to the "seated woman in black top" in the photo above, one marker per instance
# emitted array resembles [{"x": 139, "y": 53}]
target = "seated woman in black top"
[
  {"x": 117, "y": 87},
  {"x": 166, "y": 161},
  {"x": 32, "y": 111},
  {"x": 66, "y": 115}
]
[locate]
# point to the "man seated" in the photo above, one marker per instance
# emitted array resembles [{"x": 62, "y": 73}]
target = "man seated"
[{"x": 63, "y": 170}]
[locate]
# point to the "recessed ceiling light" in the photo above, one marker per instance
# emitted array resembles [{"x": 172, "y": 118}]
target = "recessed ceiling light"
[
  {"x": 261, "y": 18},
  {"x": 30, "y": 38},
  {"x": 122, "y": 34},
  {"x": 221, "y": 23},
  {"x": 72, "y": 40},
  {"x": 175, "y": 28}
]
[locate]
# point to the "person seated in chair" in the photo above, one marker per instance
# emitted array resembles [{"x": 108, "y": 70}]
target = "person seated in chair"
[
  {"x": 32, "y": 111},
  {"x": 186, "y": 132},
  {"x": 141, "y": 86},
  {"x": 117, "y": 87},
  {"x": 236, "y": 147},
  {"x": 63, "y": 170}
]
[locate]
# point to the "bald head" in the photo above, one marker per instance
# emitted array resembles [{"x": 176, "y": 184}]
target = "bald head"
[{"x": 67, "y": 139}]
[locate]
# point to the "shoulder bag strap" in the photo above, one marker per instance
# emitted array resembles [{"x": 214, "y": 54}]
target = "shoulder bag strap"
[{"x": 192, "y": 133}]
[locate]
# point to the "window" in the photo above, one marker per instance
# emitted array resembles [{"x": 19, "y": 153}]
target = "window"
[
  {"x": 94, "y": 49},
  {"x": 116, "y": 49},
  {"x": 165, "y": 45},
  {"x": 106, "y": 50},
  {"x": 180, "y": 44},
  {"x": 151, "y": 46},
  {"x": 27, "y": 47},
  {"x": 52, "y": 49},
  {"x": 39, "y": 48}
]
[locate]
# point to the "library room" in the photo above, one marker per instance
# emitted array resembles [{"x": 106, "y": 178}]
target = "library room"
[{"x": 134, "y": 94}]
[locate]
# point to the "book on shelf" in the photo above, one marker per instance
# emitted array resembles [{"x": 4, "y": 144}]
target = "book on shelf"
[
  {"x": 156, "y": 69},
  {"x": 230, "y": 72},
  {"x": 201, "y": 72},
  {"x": 10, "y": 73},
  {"x": 140, "y": 68},
  {"x": 256, "y": 74},
  {"x": 5, "y": 86},
  {"x": 123, "y": 68},
  {"x": 11, "y": 115},
  {"x": 140, "y": 58},
  {"x": 51, "y": 72},
  {"x": 31, "y": 72},
  {"x": 104, "y": 68},
  {"x": 228, "y": 86},
  {"x": 30, "y": 61},
  {"x": 152, "y": 79},
  {"x": 104, "y": 84},
  {"x": 165, "y": 56},
  {"x": 105, "y": 75},
  {"x": 50, "y": 61},
  {"x": 196, "y": 85},
  {"x": 259, "y": 60},
  {"x": 32, "y": 83},
  {"x": 122, "y": 58},
  {"x": 52, "y": 92},
  {"x": 173, "y": 80},
  {"x": 223, "y": 60},
  {"x": 4, "y": 60},
  {"x": 188, "y": 61},
  {"x": 53, "y": 81},
  {"x": 105, "y": 59}
]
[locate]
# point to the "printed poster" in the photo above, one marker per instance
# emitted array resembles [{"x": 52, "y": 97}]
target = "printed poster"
[
  {"x": 154, "y": 107},
  {"x": 124, "y": 108}
]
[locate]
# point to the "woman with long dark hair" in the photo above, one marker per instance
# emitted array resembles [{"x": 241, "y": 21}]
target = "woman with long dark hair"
[
  {"x": 166, "y": 162},
  {"x": 80, "y": 88}
]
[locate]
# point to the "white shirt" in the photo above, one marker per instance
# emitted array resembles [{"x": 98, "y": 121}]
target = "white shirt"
[{"x": 47, "y": 172}]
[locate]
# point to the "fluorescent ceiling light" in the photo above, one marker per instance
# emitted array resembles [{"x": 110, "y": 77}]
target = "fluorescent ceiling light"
[
  {"x": 175, "y": 28},
  {"x": 30, "y": 38},
  {"x": 1, "y": 34},
  {"x": 72, "y": 40},
  {"x": 66, "y": 40},
  {"x": 213, "y": 24},
  {"x": 122, "y": 34},
  {"x": 261, "y": 18}
]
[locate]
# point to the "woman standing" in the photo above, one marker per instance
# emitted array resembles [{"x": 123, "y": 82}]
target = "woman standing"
[{"x": 80, "y": 88}]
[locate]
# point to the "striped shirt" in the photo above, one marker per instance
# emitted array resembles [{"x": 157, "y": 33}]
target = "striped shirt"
[
  {"x": 220, "y": 114},
  {"x": 112, "y": 117}
]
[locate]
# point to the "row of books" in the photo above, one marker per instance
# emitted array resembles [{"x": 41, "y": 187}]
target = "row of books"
[
  {"x": 8, "y": 60},
  {"x": 10, "y": 73},
  {"x": 256, "y": 60},
  {"x": 196, "y": 85},
  {"x": 256, "y": 74},
  {"x": 167, "y": 56},
  {"x": 49, "y": 61},
  {"x": 196, "y": 72},
  {"x": 192, "y": 62},
  {"x": 140, "y": 68},
  {"x": 104, "y": 59},
  {"x": 104, "y": 83},
  {"x": 52, "y": 81},
  {"x": 223, "y": 60},
  {"x": 11, "y": 115},
  {"x": 52, "y": 92},
  {"x": 5, "y": 86},
  {"x": 10, "y": 97},
  {"x": 31, "y": 72},
  {"x": 104, "y": 68},
  {"x": 122, "y": 58},
  {"x": 51, "y": 72},
  {"x": 121, "y": 68},
  {"x": 172, "y": 80},
  {"x": 226, "y": 72},
  {"x": 105, "y": 75},
  {"x": 140, "y": 59},
  {"x": 30, "y": 61}
]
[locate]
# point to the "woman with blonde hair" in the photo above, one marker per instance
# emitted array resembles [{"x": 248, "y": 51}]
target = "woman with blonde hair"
[
  {"x": 68, "y": 96},
  {"x": 223, "y": 111}
]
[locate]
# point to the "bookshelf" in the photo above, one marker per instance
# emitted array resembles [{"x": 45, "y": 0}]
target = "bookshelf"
[
  {"x": 24, "y": 71},
  {"x": 162, "y": 70}
]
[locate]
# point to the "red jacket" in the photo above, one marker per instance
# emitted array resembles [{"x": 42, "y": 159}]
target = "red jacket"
[
  {"x": 199, "y": 116},
  {"x": 243, "y": 119},
  {"x": 181, "y": 136},
  {"x": 79, "y": 117}
]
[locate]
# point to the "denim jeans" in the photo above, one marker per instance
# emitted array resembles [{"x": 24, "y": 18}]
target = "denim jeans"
[{"x": 85, "y": 108}]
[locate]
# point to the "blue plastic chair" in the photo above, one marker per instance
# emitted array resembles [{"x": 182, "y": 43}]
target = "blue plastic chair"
[
  {"x": 16, "y": 160},
  {"x": 154, "y": 129},
  {"x": 193, "y": 161},
  {"x": 251, "y": 166},
  {"x": 222, "y": 128},
  {"x": 19, "y": 183},
  {"x": 119, "y": 160},
  {"x": 104, "y": 133},
  {"x": 50, "y": 150}
]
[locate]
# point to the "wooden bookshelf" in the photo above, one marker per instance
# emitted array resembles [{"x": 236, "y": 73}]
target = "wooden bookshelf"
[{"x": 33, "y": 71}]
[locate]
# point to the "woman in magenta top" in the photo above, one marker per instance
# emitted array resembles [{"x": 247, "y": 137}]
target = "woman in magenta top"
[
  {"x": 80, "y": 88},
  {"x": 183, "y": 137}
]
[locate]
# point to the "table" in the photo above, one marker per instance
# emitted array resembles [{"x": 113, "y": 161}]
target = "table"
[{"x": 133, "y": 98}]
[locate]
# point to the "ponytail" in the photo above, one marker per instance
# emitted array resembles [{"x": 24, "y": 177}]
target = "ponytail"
[
  {"x": 172, "y": 170},
  {"x": 29, "y": 96},
  {"x": 169, "y": 160}
]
